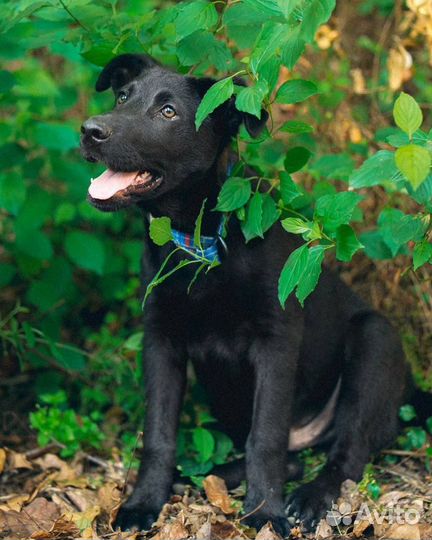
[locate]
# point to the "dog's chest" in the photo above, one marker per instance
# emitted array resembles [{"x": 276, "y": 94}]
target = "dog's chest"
[{"x": 218, "y": 317}]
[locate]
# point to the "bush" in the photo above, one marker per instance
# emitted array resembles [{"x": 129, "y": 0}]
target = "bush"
[{"x": 83, "y": 304}]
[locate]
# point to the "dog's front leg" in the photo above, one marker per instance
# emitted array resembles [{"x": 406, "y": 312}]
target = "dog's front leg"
[
  {"x": 165, "y": 376},
  {"x": 275, "y": 363}
]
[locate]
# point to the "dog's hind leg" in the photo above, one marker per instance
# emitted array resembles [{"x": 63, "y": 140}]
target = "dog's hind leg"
[
  {"x": 234, "y": 472},
  {"x": 366, "y": 416}
]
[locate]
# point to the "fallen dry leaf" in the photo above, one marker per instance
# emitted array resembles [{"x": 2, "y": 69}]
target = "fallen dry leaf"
[
  {"x": 360, "y": 526},
  {"x": 399, "y": 64},
  {"x": 15, "y": 503},
  {"x": 39, "y": 515},
  {"x": 403, "y": 531},
  {"x": 324, "y": 530},
  {"x": 325, "y": 36},
  {"x": 204, "y": 532},
  {"x": 52, "y": 461},
  {"x": 2, "y": 459},
  {"x": 217, "y": 493},
  {"x": 83, "y": 499},
  {"x": 109, "y": 496},
  {"x": 267, "y": 533},
  {"x": 359, "y": 83},
  {"x": 63, "y": 528},
  {"x": 226, "y": 530},
  {"x": 84, "y": 520},
  {"x": 172, "y": 531},
  {"x": 16, "y": 460}
]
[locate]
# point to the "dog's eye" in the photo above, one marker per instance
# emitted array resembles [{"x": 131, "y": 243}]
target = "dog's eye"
[
  {"x": 122, "y": 97},
  {"x": 168, "y": 111}
]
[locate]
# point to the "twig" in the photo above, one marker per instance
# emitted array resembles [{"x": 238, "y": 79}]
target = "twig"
[
  {"x": 261, "y": 504},
  {"x": 409, "y": 453},
  {"x": 138, "y": 437},
  {"x": 69, "y": 12},
  {"x": 38, "y": 452}
]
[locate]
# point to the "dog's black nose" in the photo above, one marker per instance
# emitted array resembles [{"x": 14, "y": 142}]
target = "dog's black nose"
[{"x": 96, "y": 130}]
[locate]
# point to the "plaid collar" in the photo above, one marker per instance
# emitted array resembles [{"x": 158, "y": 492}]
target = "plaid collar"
[{"x": 209, "y": 244}]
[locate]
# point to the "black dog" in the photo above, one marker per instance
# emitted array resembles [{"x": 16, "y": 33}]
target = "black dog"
[{"x": 332, "y": 373}]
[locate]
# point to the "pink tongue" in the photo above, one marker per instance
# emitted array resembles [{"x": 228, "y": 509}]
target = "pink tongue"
[{"x": 109, "y": 182}]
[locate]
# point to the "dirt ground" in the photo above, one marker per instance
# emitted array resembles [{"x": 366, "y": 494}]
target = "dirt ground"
[{"x": 44, "y": 497}]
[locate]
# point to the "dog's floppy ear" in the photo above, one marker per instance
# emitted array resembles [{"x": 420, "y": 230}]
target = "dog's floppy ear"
[
  {"x": 228, "y": 117},
  {"x": 122, "y": 69}
]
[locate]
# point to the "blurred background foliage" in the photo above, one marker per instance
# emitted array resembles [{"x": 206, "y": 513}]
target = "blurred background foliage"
[{"x": 70, "y": 299}]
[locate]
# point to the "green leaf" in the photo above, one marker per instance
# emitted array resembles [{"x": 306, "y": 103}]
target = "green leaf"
[
  {"x": 296, "y": 127},
  {"x": 397, "y": 229},
  {"x": 271, "y": 38},
  {"x": 160, "y": 230},
  {"x": 12, "y": 192},
  {"x": 11, "y": 155},
  {"x": 215, "y": 96},
  {"x": 203, "y": 46},
  {"x": 70, "y": 358},
  {"x": 417, "y": 437},
  {"x": 334, "y": 166},
  {"x": 243, "y": 24},
  {"x": 42, "y": 293},
  {"x": 288, "y": 6},
  {"x": 196, "y": 15},
  {"x": 414, "y": 162},
  {"x": 7, "y": 272},
  {"x": 316, "y": 13},
  {"x": 34, "y": 243},
  {"x": 288, "y": 188},
  {"x": 268, "y": 72},
  {"x": 134, "y": 342},
  {"x": 346, "y": 243},
  {"x": 252, "y": 227},
  {"x": 99, "y": 55},
  {"x": 269, "y": 7},
  {"x": 337, "y": 209},
  {"x": 293, "y": 48},
  {"x": 198, "y": 223},
  {"x": 204, "y": 443},
  {"x": 296, "y": 225},
  {"x": 309, "y": 278},
  {"x": 422, "y": 253},
  {"x": 296, "y": 158},
  {"x": 7, "y": 81},
  {"x": 407, "y": 413},
  {"x": 56, "y": 136},
  {"x": 378, "y": 169},
  {"x": 423, "y": 194},
  {"x": 374, "y": 245},
  {"x": 250, "y": 99},
  {"x": 235, "y": 193},
  {"x": 85, "y": 250},
  {"x": 224, "y": 445},
  {"x": 270, "y": 213},
  {"x": 407, "y": 114},
  {"x": 292, "y": 272},
  {"x": 295, "y": 91}
]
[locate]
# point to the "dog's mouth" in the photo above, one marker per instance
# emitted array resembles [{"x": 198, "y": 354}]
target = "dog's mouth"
[{"x": 115, "y": 183}]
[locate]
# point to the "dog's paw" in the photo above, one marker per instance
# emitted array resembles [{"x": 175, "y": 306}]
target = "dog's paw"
[
  {"x": 308, "y": 504},
  {"x": 134, "y": 518},
  {"x": 280, "y": 523}
]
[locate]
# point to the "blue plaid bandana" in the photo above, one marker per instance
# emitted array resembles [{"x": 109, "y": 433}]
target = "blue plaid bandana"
[{"x": 209, "y": 244}]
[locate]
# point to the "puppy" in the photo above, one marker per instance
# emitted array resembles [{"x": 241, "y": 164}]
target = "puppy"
[{"x": 331, "y": 374}]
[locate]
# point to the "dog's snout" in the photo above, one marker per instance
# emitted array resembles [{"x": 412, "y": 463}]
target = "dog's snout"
[{"x": 96, "y": 130}]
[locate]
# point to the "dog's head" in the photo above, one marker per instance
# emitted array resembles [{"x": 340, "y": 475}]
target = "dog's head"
[{"x": 148, "y": 141}]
